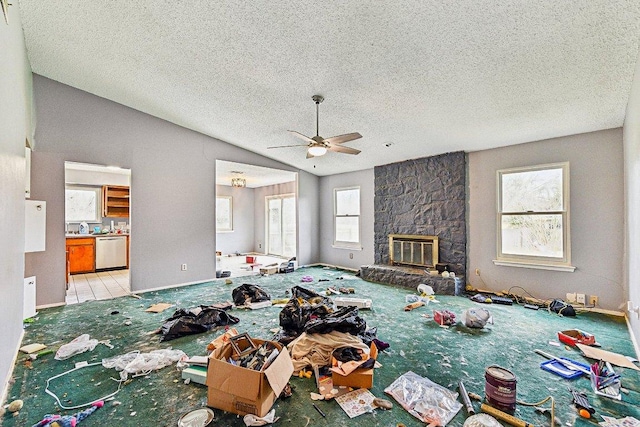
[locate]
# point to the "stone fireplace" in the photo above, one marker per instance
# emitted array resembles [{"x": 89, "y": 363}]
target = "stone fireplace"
[{"x": 420, "y": 197}]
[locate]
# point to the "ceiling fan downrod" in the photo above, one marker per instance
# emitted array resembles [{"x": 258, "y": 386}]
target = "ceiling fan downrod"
[{"x": 317, "y": 99}]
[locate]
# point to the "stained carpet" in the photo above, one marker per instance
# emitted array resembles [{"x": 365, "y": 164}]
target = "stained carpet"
[{"x": 418, "y": 344}]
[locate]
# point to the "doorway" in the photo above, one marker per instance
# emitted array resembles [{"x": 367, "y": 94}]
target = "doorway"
[
  {"x": 97, "y": 232},
  {"x": 281, "y": 225},
  {"x": 244, "y": 237}
]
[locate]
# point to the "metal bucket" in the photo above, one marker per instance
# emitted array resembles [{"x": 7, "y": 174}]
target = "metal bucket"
[{"x": 500, "y": 388}]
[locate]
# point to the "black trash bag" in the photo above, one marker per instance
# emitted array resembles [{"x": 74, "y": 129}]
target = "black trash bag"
[
  {"x": 247, "y": 293},
  {"x": 310, "y": 296},
  {"x": 344, "y": 320},
  {"x": 303, "y": 305},
  {"x": 369, "y": 335},
  {"x": 195, "y": 321},
  {"x": 347, "y": 354},
  {"x": 562, "y": 308}
]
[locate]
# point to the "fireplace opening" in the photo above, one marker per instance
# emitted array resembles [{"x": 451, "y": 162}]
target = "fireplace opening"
[{"x": 415, "y": 250}]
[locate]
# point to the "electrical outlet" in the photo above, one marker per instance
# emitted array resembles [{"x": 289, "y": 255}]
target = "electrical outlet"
[
  {"x": 571, "y": 297},
  {"x": 593, "y": 300},
  {"x": 259, "y": 245},
  {"x": 183, "y": 267},
  {"x": 477, "y": 271},
  {"x": 351, "y": 255},
  {"x": 581, "y": 298}
]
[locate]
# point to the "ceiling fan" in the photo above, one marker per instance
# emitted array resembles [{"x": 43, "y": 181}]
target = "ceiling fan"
[{"x": 318, "y": 146}]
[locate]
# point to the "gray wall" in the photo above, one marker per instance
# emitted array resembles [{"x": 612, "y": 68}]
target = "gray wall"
[
  {"x": 259, "y": 215},
  {"x": 631, "y": 138},
  {"x": 242, "y": 237},
  {"x": 172, "y": 187},
  {"x": 596, "y": 209},
  {"x": 337, "y": 256},
  {"x": 15, "y": 128},
  {"x": 309, "y": 219}
]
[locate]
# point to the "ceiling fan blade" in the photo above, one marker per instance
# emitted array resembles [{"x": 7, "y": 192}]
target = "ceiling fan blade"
[
  {"x": 343, "y": 149},
  {"x": 287, "y": 146},
  {"x": 340, "y": 139},
  {"x": 309, "y": 155},
  {"x": 301, "y": 136}
]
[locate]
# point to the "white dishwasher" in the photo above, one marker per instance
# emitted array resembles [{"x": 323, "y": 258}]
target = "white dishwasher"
[{"x": 111, "y": 252}]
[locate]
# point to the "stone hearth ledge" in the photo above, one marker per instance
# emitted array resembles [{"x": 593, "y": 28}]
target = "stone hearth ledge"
[{"x": 411, "y": 277}]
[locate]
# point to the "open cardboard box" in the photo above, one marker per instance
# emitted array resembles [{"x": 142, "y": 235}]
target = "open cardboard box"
[
  {"x": 245, "y": 391},
  {"x": 359, "y": 378}
]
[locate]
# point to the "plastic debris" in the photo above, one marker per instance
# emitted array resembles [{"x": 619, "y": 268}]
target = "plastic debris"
[
  {"x": 429, "y": 402},
  {"x": 477, "y": 317},
  {"x": 136, "y": 364},
  {"x": 254, "y": 420},
  {"x": 77, "y": 346}
]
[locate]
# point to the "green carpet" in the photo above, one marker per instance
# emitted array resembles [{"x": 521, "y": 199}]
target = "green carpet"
[{"x": 444, "y": 355}]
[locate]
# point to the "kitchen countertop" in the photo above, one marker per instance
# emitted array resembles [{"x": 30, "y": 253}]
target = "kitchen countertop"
[{"x": 77, "y": 236}]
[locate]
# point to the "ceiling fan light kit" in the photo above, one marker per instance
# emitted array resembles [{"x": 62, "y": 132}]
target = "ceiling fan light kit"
[
  {"x": 318, "y": 146},
  {"x": 317, "y": 150}
]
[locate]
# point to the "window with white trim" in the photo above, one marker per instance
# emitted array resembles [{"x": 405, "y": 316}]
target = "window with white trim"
[
  {"x": 533, "y": 217},
  {"x": 82, "y": 204},
  {"x": 346, "y": 218},
  {"x": 224, "y": 213}
]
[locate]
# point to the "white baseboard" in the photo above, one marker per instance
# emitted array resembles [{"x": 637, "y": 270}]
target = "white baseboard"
[
  {"x": 633, "y": 337},
  {"x": 55, "y": 304},
  {"x": 599, "y": 310},
  {"x": 5, "y": 388},
  {"x": 178, "y": 285}
]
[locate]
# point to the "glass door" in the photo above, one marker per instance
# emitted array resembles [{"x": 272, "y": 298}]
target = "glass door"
[{"x": 281, "y": 225}]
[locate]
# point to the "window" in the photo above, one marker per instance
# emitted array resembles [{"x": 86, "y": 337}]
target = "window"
[
  {"x": 82, "y": 204},
  {"x": 347, "y": 218},
  {"x": 533, "y": 217},
  {"x": 224, "y": 213},
  {"x": 281, "y": 225}
]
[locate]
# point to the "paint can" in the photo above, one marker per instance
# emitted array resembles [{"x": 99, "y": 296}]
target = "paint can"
[{"x": 500, "y": 388}]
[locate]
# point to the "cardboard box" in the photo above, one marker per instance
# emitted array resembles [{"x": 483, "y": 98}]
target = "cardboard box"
[
  {"x": 269, "y": 270},
  {"x": 359, "y": 378},
  {"x": 244, "y": 391}
]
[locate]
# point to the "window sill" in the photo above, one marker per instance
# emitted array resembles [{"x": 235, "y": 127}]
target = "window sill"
[
  {"x": 536, "y": 266},
  {"x": 346, "y": 246}
]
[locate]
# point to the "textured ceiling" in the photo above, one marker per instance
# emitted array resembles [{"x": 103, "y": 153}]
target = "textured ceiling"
[{"x": 415, "y": 78}]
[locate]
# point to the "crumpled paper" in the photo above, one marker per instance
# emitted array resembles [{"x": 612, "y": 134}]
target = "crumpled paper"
[{"x": 253, "y": 420}]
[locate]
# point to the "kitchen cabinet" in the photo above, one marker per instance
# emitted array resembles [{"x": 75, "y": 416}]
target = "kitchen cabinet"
[
  {"x": 115, "y": 201},
  {"x": 82, "y": 255}
]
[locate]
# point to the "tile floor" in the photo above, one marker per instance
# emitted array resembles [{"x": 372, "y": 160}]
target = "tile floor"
[
  {"x": 97, "y": 286},
  {"x": 239, "y": 267},
  {"x": 115, "y": 283}
]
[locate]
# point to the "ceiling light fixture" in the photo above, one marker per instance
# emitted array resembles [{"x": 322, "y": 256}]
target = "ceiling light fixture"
[
  {"x": 238, "y": 182},
  {"x": 317, "y": 150}
]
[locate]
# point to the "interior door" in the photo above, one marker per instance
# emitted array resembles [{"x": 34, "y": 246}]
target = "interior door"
[{"x": 281, "y": 225}]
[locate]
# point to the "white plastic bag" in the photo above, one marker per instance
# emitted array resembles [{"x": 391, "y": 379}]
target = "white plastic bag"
[
  {"x": 135, "y": 363},
  {"x": 477, "y": 317},
  {"x": 77, "y": 346}
]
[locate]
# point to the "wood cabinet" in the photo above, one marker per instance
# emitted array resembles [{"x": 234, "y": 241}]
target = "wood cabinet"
[
  {"x": 82, "y": 255},
  {"x": 115, "y": 201}
]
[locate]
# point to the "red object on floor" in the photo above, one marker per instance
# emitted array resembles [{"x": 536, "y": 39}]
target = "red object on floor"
[
  {"x": 573, "y": 336},
  {"x": 251, "y": 259}
]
